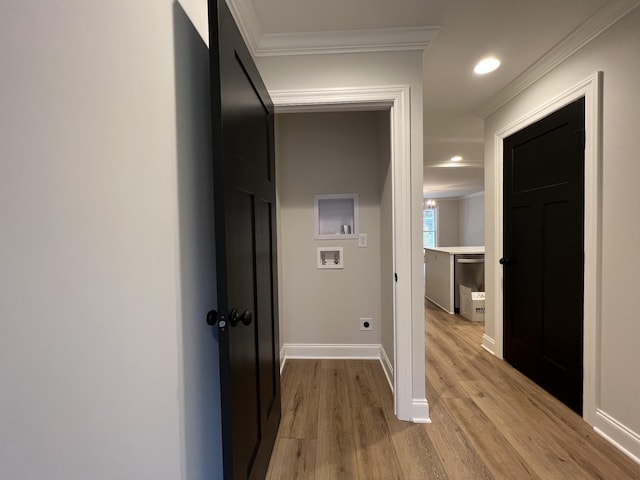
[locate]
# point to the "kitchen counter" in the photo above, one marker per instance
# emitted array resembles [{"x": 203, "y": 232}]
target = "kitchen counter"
[
  {"x": 458, "y": 250},
  {"x": 443, "y": 273}
]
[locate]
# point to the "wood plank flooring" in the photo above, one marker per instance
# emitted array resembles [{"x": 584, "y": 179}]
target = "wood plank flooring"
[{"x": 489, "y": 421}]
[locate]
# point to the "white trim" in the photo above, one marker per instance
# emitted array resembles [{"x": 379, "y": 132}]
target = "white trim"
[
  {"x": 398, "y": 98},
  {"x": 436, "y": 303},
  {"x": 598, "y": 23},
  {"x": 420, "y": 411},
  {"x": 386, "y": 366},
  {"x": 245, "y": 16},
  {"x": 622, "y": 437},
  {"x": 402, "y": 249},
  {"x": 590, "y": 88},
  {"x": 336, "y": 41},
  {"x": 345, "y": 41},
  {"x": 330, "y": 350},
  {"x": 336, "y": 99},
  {"x": 489, "y": 344}
]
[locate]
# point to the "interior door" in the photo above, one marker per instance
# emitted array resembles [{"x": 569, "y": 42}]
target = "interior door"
[
  {"x": 244, "y": 195},
  {"x": 543, "y": 263}
]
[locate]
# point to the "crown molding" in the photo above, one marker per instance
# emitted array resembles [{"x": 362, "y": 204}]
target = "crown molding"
[
  {"x": 245, "y": 16},
  {"x": 346, "y": 41},
  {"x": 338, "y": 41},
  {"x": 336, "y": 99},
  {"x": 592, "y": 28}
]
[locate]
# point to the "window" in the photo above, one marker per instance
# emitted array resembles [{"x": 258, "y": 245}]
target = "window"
[{"x": 429, "y": 227}]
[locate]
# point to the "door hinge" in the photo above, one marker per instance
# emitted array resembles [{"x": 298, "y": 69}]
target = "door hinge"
[{"x": 395, "y": 275}]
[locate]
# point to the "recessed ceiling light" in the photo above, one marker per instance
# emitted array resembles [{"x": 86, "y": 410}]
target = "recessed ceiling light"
[
  {"x": 457, "y": 158},
  {"x": 486, "y": 65}
]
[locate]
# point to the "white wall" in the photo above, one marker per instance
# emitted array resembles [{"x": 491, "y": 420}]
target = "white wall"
[
  {"x": 324, "y": 153},
  {"x": 372, "y": 69},
  {"x": 198, "y": 363},
  {"x": 98, "y": 244},
  {"x": 615, "y": 52},
  {"x": 472, "y": 220}
]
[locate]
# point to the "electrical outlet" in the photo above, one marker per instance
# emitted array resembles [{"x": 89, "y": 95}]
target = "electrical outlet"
[{"x": 366, "y": 324}]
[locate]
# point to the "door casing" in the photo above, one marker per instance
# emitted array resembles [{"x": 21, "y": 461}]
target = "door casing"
[
  {"x": 590, "y": 89},
  {"x": 408, "y": 364}
]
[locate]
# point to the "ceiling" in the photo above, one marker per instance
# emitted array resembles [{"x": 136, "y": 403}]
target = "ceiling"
[{"x": 526, "y": 35}]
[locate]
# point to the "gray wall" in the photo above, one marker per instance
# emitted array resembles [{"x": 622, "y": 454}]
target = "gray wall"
[
  {"x": 448, "y": 218},
  {"x": 472, "y": 220},
  {"x": 324, "y": 153},
  {"x": 105, "y": 368},
  {"x": 461, "y": 221},
  {"x": 615, "y": 53}
]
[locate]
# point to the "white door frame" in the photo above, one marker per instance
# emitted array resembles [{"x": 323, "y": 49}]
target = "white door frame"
[
  {"x": 590, "y": 89},
  {"x": 397, "y": 99}
]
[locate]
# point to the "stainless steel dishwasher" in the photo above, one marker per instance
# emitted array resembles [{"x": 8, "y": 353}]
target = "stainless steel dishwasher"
[{"x": 468, "y": 271}]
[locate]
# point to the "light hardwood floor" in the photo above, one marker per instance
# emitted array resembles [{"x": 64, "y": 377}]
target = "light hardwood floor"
[{"x": 489, "y": 421}]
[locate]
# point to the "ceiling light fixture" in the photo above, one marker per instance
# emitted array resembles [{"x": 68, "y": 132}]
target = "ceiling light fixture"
[
  {"x": 486, "y": 65},
  {"x": 457, "y": 158}
]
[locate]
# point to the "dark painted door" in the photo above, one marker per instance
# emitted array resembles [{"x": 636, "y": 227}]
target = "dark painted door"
[
  {"x": 543, "y": 264},
  {"x": 244, "y": 193}
]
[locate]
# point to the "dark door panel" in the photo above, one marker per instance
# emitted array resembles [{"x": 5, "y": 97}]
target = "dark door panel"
[
  {"x": 267, "y": 347},
  {"x": 544, "y": 240},
  {"x": 244, "y": 193}
]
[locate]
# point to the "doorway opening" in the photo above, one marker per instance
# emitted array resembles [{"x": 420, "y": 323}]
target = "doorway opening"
[
  {"x": 335, "y": 205},
  {"x": 408, "y": 368},
  {"x": 454, "y": 217}
]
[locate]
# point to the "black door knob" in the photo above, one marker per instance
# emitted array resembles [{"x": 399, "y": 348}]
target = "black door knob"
[
  {"x": 506, "y": 261},
  {"x": 246, "y": 317},
  {"x": 212, "y": 317},
  {"x": 236, "y": 317}
]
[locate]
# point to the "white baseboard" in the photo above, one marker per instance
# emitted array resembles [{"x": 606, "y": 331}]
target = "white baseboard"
[
  {"x": 386, "y": 366},
  {"x": 489, "y": 344},
  {"x": 436, "y": 303},
  {"x": 621, "y": 436},
  {"x": 420, "y": 411},
  {"x": 338, "y": 351}
]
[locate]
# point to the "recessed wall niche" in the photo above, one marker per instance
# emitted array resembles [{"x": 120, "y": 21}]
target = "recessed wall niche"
[{"x": 336, "y": 216}]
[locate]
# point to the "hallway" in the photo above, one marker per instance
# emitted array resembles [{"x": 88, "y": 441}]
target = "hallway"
[{"x": 489, "y": 421}]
